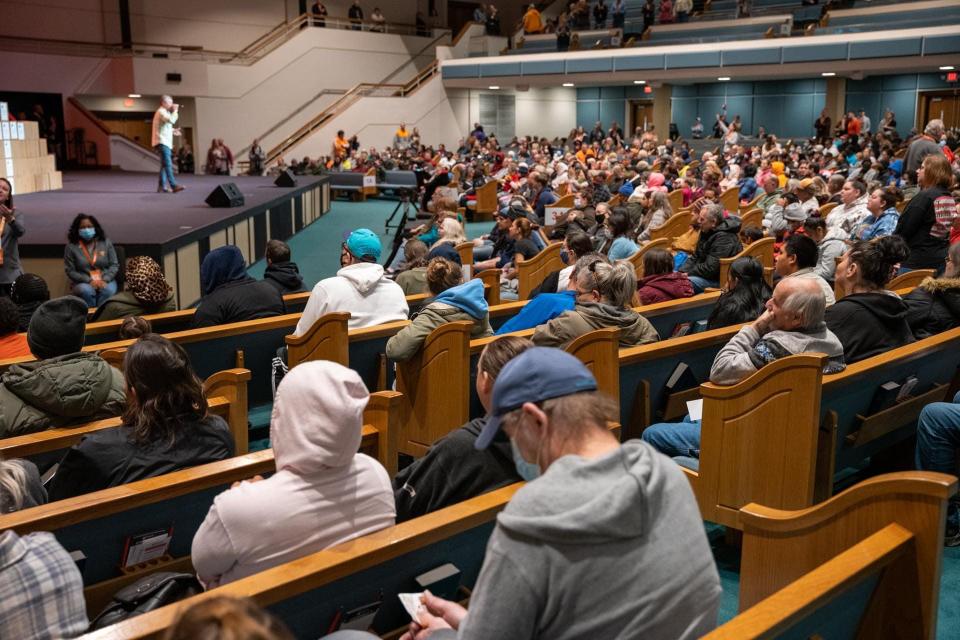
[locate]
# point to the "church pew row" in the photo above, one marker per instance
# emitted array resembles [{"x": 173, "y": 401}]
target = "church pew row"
[
  {"x": 908, "y": 509},
  {"x": 226, "y": 393},
  {"x": 779, "y": 437},
  {"x": 99, "y": 523},
  {"x": 864, "y": 564}
]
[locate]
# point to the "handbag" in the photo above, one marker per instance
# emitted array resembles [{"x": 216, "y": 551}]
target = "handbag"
[{"x": 146, "y": 594}]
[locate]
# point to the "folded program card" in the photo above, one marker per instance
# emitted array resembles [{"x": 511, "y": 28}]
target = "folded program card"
[{"x": 411, "y": 602}]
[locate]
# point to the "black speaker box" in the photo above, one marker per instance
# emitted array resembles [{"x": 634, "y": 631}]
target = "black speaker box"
[
  {"x": 226, "y": 195},
  {"x": 285, "y": 179}
]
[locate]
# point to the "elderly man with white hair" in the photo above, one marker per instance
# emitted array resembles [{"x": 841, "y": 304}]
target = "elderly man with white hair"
[
  {"x": 925, "y": 145},
  {"x": 793, "y": 323}
]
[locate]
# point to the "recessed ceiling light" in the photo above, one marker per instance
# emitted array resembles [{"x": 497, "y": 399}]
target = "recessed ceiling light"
[
  {"x": 828, "y": 74},
  {"x": 946, "y": 67},
  {"x": 568, "y": 84},
  {"x": 639, "y": 82},
  {"x": 134, "y": 95},
  {"x": 723, "y": 78},
  {"x": 493, "y": 87}
]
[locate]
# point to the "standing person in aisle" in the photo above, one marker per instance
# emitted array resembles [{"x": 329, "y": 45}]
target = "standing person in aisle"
[
  {"x": 11, "y": 229},
  {"x": 162, "y": 140}
]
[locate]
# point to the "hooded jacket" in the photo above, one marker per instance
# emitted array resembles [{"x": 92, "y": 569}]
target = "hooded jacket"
[
  {"x": 720, "y": 242},
  {"x": 462, "y": 302},
  {"x": 124, "y": 304},
  {"x": 664, "y": 287},
  {"x": 831, "y": 247},
  {"x": 869, "y": 324},
  {"x": 285, "y": 276},
  {"x": 322, "y": 494},
  {"x": 933, "y": 307},
  {"x": 229, "y": 294},
  {"x": 361, "y": 289},
  {"x": 590, "y": 316},
  {"x": 543, "y": 308},
  {"x": 57, "y": 392},
  {"x": 590, "y": 550},
  {"x": 747, "y": 351}
]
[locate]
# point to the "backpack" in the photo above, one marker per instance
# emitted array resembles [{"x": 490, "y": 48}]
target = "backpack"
[{"x": 146, "y": 594}]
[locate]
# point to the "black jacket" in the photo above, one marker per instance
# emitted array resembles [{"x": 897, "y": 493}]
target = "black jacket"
[
  {"x": 285, "y": 276},
  {"x": 720, "y": 242},
  {"x": 927, "y": 238},
  {"x": 110, "y": 457},
  {"x": 869, "y": 324},
  {"x": 453, "y": 471},
  {"x": 933, "y": 307},
  {"x": 244, "y": 299}
]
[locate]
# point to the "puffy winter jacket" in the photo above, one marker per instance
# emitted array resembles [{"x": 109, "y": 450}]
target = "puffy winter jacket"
[{"x": 720, "y": 242}]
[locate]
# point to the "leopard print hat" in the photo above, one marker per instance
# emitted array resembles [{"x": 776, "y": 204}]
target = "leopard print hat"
[{"x": 145, "y": 280}]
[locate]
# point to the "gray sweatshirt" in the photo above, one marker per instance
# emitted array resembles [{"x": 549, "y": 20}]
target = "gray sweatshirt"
[{"x": 612, "y": 547}]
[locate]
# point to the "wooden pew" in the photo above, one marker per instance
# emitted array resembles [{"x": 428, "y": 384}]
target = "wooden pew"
[
  {"x": 531, "y": 273},
  {"x": 910, "y": 279},
  {"x": 762, "y": 250},
  {"x": 730, "y": 199},
  {"x": 749, "y": 206},
  {"x": 309, "y": 592},
  {"x": 98, "y": 523},
  {"x": 226, "y": 393},
  {"x": 826, "y": 208},
  {"x": 676, "y": 225},
  {"x": 675, "y": 197},
  {"x": 753, "y": 217},
  {"x": 465, "y": 249},
  {"x": 867, "y": 561},
  {"x": 486, "y": 203},
  {"x": 637, "y": 258}
]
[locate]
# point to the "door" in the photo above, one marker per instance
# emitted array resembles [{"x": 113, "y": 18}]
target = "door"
[
  {"x": 946, "y": 108},
  {"x": 641, "y": 113}
]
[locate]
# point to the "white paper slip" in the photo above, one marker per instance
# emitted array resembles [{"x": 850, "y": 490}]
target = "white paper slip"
[
  {"x": 695, "y": 409},
  {"x": 411, "y": 602}
]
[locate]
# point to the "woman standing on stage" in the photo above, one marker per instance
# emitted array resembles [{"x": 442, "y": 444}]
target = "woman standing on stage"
[
  {"x": 90, "y": 261},
  {"x": 11, "y": 228}
]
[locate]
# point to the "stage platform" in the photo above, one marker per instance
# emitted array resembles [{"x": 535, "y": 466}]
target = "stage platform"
[{"x": 177, "y": 230}]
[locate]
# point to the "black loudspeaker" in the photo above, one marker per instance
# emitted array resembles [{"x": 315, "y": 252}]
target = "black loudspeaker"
[
  {"x": 226, "y": 195},
  {"x": 285, "y": 179}
]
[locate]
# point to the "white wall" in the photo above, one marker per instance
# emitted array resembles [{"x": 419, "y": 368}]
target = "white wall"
[
  {"x": 129, "y": 156},
  {"x": 548, "y": 111},
  {"x": 81, "y": 20}
]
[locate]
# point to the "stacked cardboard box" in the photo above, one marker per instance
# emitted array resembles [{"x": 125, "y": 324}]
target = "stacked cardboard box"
[{"x": 24, "y": 160}]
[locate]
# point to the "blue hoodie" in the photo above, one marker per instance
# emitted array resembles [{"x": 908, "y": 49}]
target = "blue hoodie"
[
  {"x": 468, "y": 297},
  {"x": 543, "y": 308}
]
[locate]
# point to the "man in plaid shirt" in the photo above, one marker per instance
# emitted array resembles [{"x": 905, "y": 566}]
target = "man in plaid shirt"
[{"x": 41, "y": 590}]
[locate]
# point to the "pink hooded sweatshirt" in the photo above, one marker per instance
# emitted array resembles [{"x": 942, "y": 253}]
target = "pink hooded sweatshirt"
[
  {"x": 322, "y": 494},
  {"x": 655, "y": 182}
]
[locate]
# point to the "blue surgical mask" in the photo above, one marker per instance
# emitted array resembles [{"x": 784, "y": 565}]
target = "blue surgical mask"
[
  {"x": 526, "y": 470},
  {"x": 88, "y": 233},
  {"x": 564, "y": 256}
]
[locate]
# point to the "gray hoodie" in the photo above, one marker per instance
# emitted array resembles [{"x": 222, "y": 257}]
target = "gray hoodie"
[
  {"x": 590, "y": 316},
  {"x": 612, "y": 547}
]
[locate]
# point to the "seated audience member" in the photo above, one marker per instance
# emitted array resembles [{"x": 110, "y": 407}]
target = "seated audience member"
[
  {"x": 576, "y": 523},
  {"x": 64, "y": 385},
  {"x": 776, "y": 219},
  {"x": 618, "y": 226},
  {"x": 451, "y": 233},
  {"x": 323, "y": 492},
  {"x": 831, "y": 244},
  {"x": 660, "y": 282},
  {"x": 852, "y": 210},
  {"x": 40, "y": 583},
  {"x": 575, "y": 245},
  {"x": 750, "y": 234},
  {"x": 718, "y": 239},
  {"x": 798, "y": 259},
  {"x": 883, "y": 218},
  {"x": 360, "y": 287},
  {"x": 166, "y": 426},
  {"x": 230, "y": 294},
  {"x": 806, "y": 196},
  {"x": 868, "y": 319},
  {"x": 659, "y": 211},
  {"x": 453, "y": 302},
  {"x": 934, "y": 306},
  {"x": 744, "y": 297},
  {"x": 501, "y": 251},
  {"x": 281, "y": 271},
  {"x": 29, "y": 292},
  {"x": 604, "y": 293},
  {"x": 413, "y": 278},
  {"x": 792, "y": 324},
  {"x": 938, "y": 442},
  {"x": 12, "y": 344},
  {"x": 524, "y": 248},
  {"x": 453, "y": 470},
  {"x": 145, "y": 292},
  {"x": 227, "y": 618},
  {"x": 134, "y": 327},
  {"x": 930, "y": 215},
  {"x": 90, "y": 261}
]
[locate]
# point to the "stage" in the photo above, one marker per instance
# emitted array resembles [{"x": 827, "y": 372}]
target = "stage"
[{"x": 177, "y": 230}]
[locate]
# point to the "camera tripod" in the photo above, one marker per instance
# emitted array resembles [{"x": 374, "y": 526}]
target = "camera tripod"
[{"x": 403, "y": 208}]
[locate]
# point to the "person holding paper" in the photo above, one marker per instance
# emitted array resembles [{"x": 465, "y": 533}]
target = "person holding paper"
[
  {"x": 162, "y": 140},
  {"x": 11, "y": 229}
]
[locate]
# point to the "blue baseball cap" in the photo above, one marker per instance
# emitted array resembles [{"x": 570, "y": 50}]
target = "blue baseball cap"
[
  {"x": 364, "y": 243},
  {"x": 537, "y": 374}
]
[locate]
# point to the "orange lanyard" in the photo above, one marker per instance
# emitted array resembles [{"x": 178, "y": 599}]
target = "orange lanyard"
[{"x": 92, "y": 260}]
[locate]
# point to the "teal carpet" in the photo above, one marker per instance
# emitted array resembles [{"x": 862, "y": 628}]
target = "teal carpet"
[{"x": 316, "y": 250}]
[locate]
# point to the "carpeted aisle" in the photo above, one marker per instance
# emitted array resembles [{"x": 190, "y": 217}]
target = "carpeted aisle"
[{"x": 316, "y": 250}]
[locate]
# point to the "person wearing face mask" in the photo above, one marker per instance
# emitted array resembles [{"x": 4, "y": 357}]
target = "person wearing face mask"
[
  {"x": 596, "y": 528},
  {"x": 90, "y": 261},
  {"x": 453, "y": 470}
]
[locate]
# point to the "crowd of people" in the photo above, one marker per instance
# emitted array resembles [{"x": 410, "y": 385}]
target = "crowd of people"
[{"x": 846, "y": 214}]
